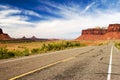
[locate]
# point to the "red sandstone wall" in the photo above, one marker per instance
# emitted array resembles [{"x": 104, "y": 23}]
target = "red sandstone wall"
[
  {"x": 113, "y": 32},
  {"x": 94, "y": 31},
  {"x": 114, "y": 28}
]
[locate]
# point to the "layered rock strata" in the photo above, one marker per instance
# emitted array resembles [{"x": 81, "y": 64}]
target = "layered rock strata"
[{"x": 112, "y": 32}]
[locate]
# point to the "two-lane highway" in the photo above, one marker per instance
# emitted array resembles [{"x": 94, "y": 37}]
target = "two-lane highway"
[{"x": 87, "y": 63}]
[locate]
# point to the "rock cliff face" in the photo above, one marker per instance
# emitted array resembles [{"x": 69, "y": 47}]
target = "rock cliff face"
[
  {"x": 1, "y": 32},
  {"x": 4, "y": 36},
  {"x": 112, "y": 32}
]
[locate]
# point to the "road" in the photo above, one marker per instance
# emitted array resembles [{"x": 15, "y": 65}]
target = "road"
[{"x": 86, "y": 63}]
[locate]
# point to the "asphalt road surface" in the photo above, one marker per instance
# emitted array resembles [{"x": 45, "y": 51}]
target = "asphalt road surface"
[{"x": 86, "y": 63}]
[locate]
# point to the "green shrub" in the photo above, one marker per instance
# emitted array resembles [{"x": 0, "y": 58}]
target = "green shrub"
[
  {"x": 44, "y": 48},
  {"x": 26, "y": 52},
  {"x": 18, "y": 53},
  {"x": 35, "y": 50},
  {"x": 3, "y": 52},
  {"x": 117, "y": 45},
  {"x": 11, "y": 53},
  {"x": 60, "y": 46}
]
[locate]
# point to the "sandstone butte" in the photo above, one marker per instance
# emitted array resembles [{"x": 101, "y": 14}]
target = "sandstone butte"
[
  {"x": 4, "y": 36},
  {"x": 111, "y": 33}
]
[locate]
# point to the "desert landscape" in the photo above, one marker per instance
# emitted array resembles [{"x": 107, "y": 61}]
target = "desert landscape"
[
  {"x": 59, "y": 40},
  {"x": 11, "y": 47}
]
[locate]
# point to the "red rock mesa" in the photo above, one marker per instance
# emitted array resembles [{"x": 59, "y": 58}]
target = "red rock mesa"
[
  {"x": 4, "y": 36},
  {"x": 111, "y": 33}
]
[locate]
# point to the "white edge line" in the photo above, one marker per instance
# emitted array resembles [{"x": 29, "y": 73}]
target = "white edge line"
[{"x": 110, "y": 65}]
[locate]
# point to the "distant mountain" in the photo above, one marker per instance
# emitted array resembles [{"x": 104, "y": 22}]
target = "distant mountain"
[
  {"x": 4, "y": 36},
  {"x": 33, "y": 37},
  {"x": 111, "y": 33}
]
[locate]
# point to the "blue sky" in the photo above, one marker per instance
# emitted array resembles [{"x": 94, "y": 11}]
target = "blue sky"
[{"x": 63, "y": 19}]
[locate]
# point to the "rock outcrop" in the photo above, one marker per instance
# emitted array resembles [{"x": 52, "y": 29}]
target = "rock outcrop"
[
  {"x": 4, "y": 36},
  {"x": 112, "y": 32}
]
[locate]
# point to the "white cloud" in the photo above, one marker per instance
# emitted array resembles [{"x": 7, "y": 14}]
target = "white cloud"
[
  {"x": 62, "y": 9},
  {"x": 15, "y": 25},
  {"x": 28, "y": 12},
  {"x": 4, "y": 7},
  {"x": 66, "y": 28},
  {"x": 87, "y": 7},
  {"x": 63, "y": 28},
  {"x": 6, "y": 13}
]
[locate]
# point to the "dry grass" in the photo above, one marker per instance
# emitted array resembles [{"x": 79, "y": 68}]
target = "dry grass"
[
  {"x": 18, "y": 46},
  {"x": 94, "y": 43},
  {"x": 8, "y": 49},
  {"x": 16, "y": 49},
  {"x": 28, "y": 45},
  {"x": 31, "y": 45}
]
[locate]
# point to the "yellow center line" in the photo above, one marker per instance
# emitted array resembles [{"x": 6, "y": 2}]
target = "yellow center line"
[
  {"x": 30, "y": 72},
  {"x": 68, "y": 59}
]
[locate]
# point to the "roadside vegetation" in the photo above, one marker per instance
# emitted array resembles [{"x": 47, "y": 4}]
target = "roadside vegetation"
[
  {"x": 95, "y": 42},
  {"x": 7, "y": 52},
  {"x": 117, "y": 44},
  {"x": 102, "y": 43}
]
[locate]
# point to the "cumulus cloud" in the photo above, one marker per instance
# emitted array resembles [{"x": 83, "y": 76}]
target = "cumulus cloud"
[
  {"x": 75, "y": 18},
  {"x": 67, "y": 28},
  {"x": 14, "y": 24}
]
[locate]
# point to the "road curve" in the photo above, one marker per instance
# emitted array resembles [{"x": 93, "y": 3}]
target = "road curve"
[{"x": 86, "y": 63}]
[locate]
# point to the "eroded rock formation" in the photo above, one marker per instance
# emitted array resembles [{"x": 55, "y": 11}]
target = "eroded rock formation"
[
  {"x": 94, "y": 31},
  {"x": 1, "y": 32},
  {"x": 4, "y": 36},
  {"x": 112, "y": 32}
]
